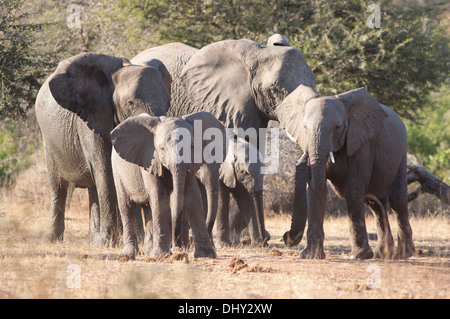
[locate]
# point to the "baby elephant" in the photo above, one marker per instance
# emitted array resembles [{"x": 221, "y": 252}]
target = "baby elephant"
[
  {"x": 150, "y": 170},
  {"x": 241, "y": 176}
]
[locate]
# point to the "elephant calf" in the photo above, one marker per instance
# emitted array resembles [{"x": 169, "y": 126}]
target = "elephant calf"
[
  {"x": 241, "y": 176},
  {"x": 148, "y": 171},
  {"x": 360, "y": 146}
]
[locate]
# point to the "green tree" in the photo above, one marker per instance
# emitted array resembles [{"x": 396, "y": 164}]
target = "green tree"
[
  {"x": 199, "y": 23},
  {"x": 429, "y": 137},
  {"x": 400, "y": 62},
  {"x": 20, "y": 66}
]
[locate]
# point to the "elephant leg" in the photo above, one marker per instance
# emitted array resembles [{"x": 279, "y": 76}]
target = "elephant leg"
[
  {"x": 184, "y": 232},
  {"x": 385, "y": 244},
  {"x": 127, "y": 210},
  {"x": 209, "y": 184},
  {"x": 358, "y": 231},
  {"x": 94, "y": 216},
  {"x": 235, "y": 221},
  {"x": 222, "y": 223},
  {"x": 247, "y": 215},
  {"x": 109, "y": 226},
  {"x": 146, "y": 216},
  {"x": 299, "y": 215},
  {"x": 212, "y": 184},
  {"x": 161, "y": 216},
  {"x": 196, "y": 217},
  {"x": 97, "y": 151},
  {"x": 398, "y": 200},
  {"x": 315, "y": 235},
  {"x": 139, "y": 224},
  {"x": 58, "y": 193}
]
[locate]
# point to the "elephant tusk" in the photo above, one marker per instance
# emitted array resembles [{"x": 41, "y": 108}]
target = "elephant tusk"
[
  {"x": 302, "y": 158},
  {"x": 291, "y": 137},
  {"x": 332, "y": 157}
]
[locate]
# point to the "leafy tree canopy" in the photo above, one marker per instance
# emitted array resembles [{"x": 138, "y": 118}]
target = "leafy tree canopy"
[
  {"x": 20, "y": 65},
  {"x": 400, "y": 61}
]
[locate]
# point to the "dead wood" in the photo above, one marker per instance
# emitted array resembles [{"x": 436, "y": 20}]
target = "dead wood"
[{"x": 428, "y": 184}]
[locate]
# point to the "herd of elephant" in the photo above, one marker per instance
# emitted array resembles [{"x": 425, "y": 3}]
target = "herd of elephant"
[{"x": 108, "y": 125}]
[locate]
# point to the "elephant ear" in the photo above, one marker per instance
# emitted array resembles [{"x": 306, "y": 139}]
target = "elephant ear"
[
  {"x": 365, "y": 117},
  {"x": 218, "y": 79},
  {"x": 83, "y": 85},
  {"x": 291, "y": 111},
  {"x": 165, "y": 75},
  {"x": 226, "y": 171},
  {"x": 208, "y": 121},
  {"x": 133, "y": 140}
]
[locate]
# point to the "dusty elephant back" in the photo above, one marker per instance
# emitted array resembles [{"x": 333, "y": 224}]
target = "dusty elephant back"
[{"x": 174, "y": 56}]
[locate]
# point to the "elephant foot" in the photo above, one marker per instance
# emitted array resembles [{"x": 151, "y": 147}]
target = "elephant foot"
[
  {"x": 204, "y": 251},
  {"x": 176, "y": 249},
  {"x": 221, "y": 243},
  {"x": 148, "y": 247},
  {"x": 405, "y": 249},
  {"x": 128, "y": 252},
  {"x": 266, "y": 237},
  {"x": 313, "y": 251},
  {"x": 384, "y": 249},
  {"x": 259, "y": 243},
  {"x": 52, "y": 236},
  {"x": 159, "y": 252},
  {"x": 291, "y": 240},
  {"x": 361, "y": 253},
  {"x": 99, "y": 240}
]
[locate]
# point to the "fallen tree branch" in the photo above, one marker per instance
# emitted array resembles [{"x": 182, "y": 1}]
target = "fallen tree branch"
[{"x": 428, "y": 184}]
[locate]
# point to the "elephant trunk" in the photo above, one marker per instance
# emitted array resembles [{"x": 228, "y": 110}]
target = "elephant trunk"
[
  {"x": 177, "y": 204},
  {"x": 318, "y": 157},
  {"x": 212, "y": 195},
  {"x": 318, "y": 177}
]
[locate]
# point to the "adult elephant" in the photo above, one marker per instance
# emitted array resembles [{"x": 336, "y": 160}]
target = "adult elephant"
[
  {"x": 360, "y": 146},
  {"x": 76, "y": 108},
  {"x": 241, "y": 82}
]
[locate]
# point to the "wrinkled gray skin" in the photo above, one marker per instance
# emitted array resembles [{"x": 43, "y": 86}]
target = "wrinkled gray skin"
[
  {"x": 147, "y": 172},
  {"x": 76, "y": 108},
  {"x": 241, "y": 82},
  {"x": 241, "y": 177},
  {"x": 368, "y": 141}
]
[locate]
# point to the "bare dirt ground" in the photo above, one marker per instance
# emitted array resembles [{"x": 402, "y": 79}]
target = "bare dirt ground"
[{"x": 30, "y": 268}]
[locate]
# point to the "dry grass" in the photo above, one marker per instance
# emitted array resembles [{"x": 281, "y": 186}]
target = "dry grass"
[{"x": 30, "y": 268}]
